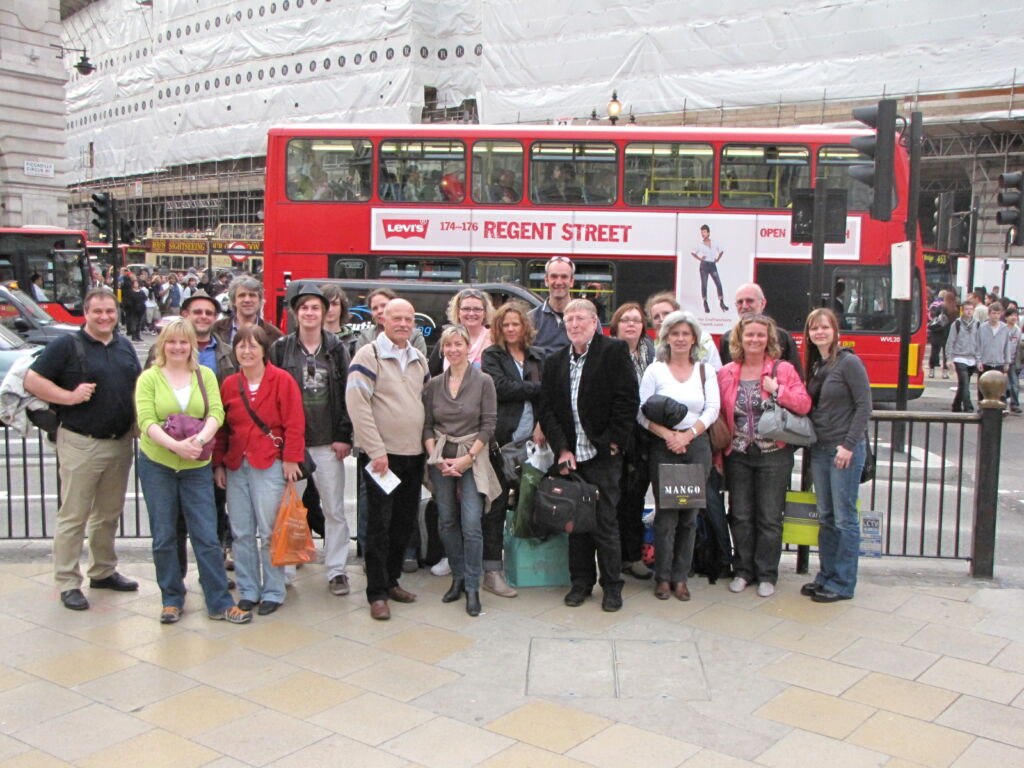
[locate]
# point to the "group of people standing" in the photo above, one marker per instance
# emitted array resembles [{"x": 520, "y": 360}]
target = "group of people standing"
[
  {"x": 982, "y": 333},
  {"x": 260, "y": 404}
]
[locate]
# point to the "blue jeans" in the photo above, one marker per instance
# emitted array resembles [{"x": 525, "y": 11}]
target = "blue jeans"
[
  {"x": 254, "y": 496},
  {"x": 1013, "y": 385},
  {"x": 188, "y": 492},
  {"x": 839, "y": 534},
  {"x": 461, "y": 525}
]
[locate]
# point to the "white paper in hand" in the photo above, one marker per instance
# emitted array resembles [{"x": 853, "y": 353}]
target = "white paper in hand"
[{"x": 388, "y": 481}]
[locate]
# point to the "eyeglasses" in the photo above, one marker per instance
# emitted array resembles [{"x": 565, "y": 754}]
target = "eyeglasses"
[
  {"x": 472, "y": 310},
  {"x": 631, "y": 320},
  {"x": 207, "y": 312}
]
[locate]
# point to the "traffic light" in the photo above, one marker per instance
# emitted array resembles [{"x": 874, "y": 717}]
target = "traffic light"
[
  {"x": 881, "y": 148},
  {"x": 1011, "y": 195},
  {"x": 103, "y": 210},
  {"x": 128, "y": 234},
  {"x": 942, "y": 218},
  {"x": 960, "y": 234}
]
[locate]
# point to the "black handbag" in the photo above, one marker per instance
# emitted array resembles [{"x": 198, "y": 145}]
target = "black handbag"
[
  {"x": 307, "y": 466},
  {"x": 867, "y": 472},
  {"x": 565, "y": 504}
]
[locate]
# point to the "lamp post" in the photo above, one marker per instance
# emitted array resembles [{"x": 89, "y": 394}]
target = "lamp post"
[
  {"x": 83, "y": 65},
  {"x": 614, "y": 108}
]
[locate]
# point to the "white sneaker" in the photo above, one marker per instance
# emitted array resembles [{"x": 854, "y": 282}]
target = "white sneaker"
[
  {"x": 765, "y": 589},
  {"x": 441, "y": 567},
  {"x": 738, "y": 584}
]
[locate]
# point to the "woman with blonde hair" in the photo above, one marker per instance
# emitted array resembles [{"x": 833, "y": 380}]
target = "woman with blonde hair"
[
  {"x": 678, "y": 374},
  {"x": 757, "y": 469},
  {"x": 175, "y": 473},
  {"x": 473, "y": 310},
  {"x": 460, "y": 411},
  {"x": 837, "y": 382}
]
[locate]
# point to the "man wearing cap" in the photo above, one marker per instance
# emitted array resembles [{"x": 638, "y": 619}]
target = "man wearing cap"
[{"x": 319, "y": 363}]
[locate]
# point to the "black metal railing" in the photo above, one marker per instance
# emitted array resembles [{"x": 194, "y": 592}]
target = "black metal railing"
[{"x": 935, "y": 489}]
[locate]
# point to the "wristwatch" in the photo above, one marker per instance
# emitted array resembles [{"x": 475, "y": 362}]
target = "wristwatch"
[
  {"x": 695, "y": 432},
  {"x": 199, "y": 440}
]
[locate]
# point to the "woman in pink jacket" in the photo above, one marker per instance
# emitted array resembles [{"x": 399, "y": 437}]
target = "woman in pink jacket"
[{"x": 757, "y": 470}]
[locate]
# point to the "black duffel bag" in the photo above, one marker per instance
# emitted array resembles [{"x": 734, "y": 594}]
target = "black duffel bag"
[{"x": 565, "y": 504}]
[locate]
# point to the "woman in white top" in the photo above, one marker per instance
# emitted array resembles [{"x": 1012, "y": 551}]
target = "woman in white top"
[{"x": 677, "y": 374}]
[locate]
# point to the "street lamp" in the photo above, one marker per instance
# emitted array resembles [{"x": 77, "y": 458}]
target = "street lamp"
[
  {"x": 83, "y": 65},
  {"x": 614, "y": 108}
]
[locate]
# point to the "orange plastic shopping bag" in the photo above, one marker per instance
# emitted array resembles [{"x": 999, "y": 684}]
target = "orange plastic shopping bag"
[{"x": 291, "y": 543}]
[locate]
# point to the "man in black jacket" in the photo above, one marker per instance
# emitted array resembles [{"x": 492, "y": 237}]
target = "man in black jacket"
[
  {"x": 319, "y": 364},
  {"x": 750, "y": 300},
  {"x": 589, "y": 402}
]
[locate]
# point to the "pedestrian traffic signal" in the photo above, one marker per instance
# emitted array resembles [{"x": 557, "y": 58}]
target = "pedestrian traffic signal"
[
  {"x": 103, "y": 211},
  {"x": 941, "y": 220},
  {"x": 881, "y": 148},
  {"x": 1011, "y": 195}
]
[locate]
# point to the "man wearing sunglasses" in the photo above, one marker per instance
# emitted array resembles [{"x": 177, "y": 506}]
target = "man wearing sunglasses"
[
  {"x": 319, "y": 364},
  {"x": 750, "y": 300}
]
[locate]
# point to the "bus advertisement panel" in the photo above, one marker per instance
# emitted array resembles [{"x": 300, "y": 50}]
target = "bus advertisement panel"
[{"x": 471, "y": 203}]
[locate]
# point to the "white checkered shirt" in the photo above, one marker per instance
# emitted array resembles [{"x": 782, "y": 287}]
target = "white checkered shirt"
[{"x": 585, "y": 449}]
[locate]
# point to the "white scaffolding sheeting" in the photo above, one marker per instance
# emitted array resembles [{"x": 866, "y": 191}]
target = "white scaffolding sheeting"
[{"x": 159, "y": 97}]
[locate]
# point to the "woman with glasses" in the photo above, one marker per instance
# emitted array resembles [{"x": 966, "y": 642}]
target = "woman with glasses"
[
  {"x": 175, "y": 472},
  {"x": 630, "y": 325},
  {"x": 473, "y": 310},
  {"x": 460, "y": 413},
  {"x": 254, "y": 466},
  {"x": 514, "y": 366},
  {"x": 757, "y": 470}
]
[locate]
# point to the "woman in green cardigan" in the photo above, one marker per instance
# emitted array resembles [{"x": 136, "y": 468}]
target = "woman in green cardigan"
[{"x": 176, "y": 476}]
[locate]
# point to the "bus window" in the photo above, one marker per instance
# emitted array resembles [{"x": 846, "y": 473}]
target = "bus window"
[
  {"x": 835, "y": 163},
  {"x": 497, "y": 172},
  {"x": 422, "y": 171},
  {"x": 573, "y": 173},
  {"x": 493, "y": 271},
  {"x": 762, "y": 175},
  {"x": 668, "y": 173},
  {"x": 863, "y": 300},
  {"x": 351, "y": 269},
  {"x": 594, "y": 281},
  {"x": 329, "y": 169},
  {"x": 421, "y": 269}
]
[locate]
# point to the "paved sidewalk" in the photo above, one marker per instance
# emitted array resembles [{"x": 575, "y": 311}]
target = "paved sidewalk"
[{"x": 925, "y": 667}]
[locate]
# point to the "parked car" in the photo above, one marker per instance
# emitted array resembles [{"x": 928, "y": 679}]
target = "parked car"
[
  {"x": 12, "y": 346},
  {"x": 20, "y": 313},
  {"x": 430, "y": 299}
]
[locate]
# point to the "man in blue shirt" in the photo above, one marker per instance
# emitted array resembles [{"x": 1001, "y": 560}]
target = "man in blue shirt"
[{"x": 559, "y": 278}]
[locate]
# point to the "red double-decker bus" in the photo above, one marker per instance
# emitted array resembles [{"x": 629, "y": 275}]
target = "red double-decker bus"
[
  {"x": 492, "y": 203},
  {"x": 56, "y": 255}
]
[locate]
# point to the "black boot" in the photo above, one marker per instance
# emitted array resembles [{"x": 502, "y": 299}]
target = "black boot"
[
  {"x": 454, "y": 591},
  {"x": 473, "y": 603}
]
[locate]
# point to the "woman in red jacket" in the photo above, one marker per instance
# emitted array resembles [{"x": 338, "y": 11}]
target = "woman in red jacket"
[
  {"x": 255, "y": 467},
  {"x": 757, "y": 470}
]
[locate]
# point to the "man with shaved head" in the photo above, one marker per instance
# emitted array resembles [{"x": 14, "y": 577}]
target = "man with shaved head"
[
  {"x": 384, "y": 394},
  {"x": 750, "y": 300}
]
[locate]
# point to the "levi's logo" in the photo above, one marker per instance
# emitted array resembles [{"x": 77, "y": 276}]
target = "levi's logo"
[{"x": 405, "y": 228}]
